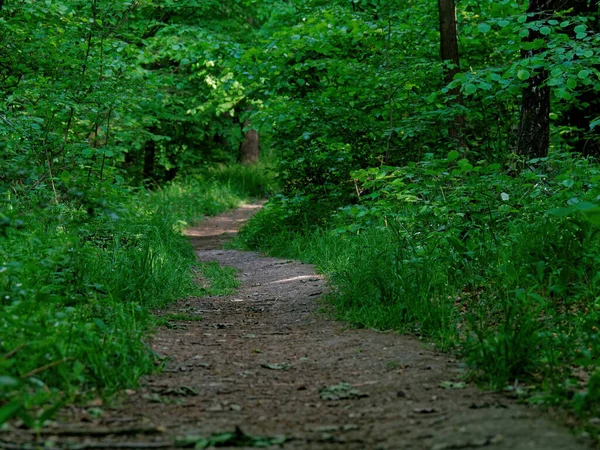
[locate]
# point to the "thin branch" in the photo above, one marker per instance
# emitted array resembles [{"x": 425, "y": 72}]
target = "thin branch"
[
  {"x": 46, "y": 367},
  {"x": 13, "y": 352}
]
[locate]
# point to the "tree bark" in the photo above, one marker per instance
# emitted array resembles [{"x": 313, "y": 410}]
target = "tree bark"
[
  {"x": 250, "y": 148},
  {"x": 450, "y": 56},
  {"x": 534, "y": 126},
  {"x": 448, "y": 38}
]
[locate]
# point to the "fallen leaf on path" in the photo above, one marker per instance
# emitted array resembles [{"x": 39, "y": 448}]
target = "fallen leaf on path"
[
  {"x": 453, "y": 384},
  {"x": 342, "y": 391},
  {"x": 184, "y": 391},
  {"x": 277, "y": 366},
  {"x": 235, "y": 439}
]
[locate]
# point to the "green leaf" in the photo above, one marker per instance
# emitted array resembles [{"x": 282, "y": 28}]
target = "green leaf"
[
  {"x": 7, "y": 381},
  {"x": 453, "y": 155},
  {"x": 568, "y": 183},
  {"x": 545, "y": 30},
  {"x": 65, "y": 176},
  {"x": 580, "y": 29},
  {"x": 583, "y": 74},
  {"x": 484, "y": 28},
  {"x": 523, "y": 74},
  {"x": 469, "y": 88},
  {"x": 10, "y": 410}
]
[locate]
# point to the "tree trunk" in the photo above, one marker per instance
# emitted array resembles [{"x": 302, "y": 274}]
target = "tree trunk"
[
  {"x": 449, "y": 55},
  {"x": 534, "y": 126},
  {"x": 250, "y": 148},
  {"x": 448, "y": 38},
  {"x": 149, "y": 156}
]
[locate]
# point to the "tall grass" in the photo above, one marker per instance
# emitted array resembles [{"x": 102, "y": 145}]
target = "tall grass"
[
  {"x": 506, "y": 276},
  {"x": 79, "y": 279}
]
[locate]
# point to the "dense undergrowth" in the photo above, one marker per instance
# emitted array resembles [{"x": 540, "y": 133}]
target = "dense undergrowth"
[
  {"x": 79, "y": 278},
  {"x": 497, "y": 263}
]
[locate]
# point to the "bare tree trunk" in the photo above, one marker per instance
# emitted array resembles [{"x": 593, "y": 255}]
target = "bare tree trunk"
[
  {"x": 449, "y": 54},
  {"x": 250, "y": 148}
]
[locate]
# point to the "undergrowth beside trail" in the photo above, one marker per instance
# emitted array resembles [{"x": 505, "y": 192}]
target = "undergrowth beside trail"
[
  {"x": 80, "y": 277},
  {"x": 500, "y": 264}
]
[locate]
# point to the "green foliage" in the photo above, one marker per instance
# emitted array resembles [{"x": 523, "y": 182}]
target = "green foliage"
[
  {"x": 500, "y": 267},
  {"x": 403, "y": 187},
  {"x": 79, "y": 279}
]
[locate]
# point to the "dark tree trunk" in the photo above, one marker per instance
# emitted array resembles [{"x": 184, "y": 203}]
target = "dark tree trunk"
[
  {"x": 250, "y": 148},
  {"x": 448, "y": 38},
  {"x": 534, "y": 126},
  {"x": 449, "y": 55},
  {"x": 149, "y": 157}
]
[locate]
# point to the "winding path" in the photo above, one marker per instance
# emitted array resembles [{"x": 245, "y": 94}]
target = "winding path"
[{"x": 267, "y": 361}]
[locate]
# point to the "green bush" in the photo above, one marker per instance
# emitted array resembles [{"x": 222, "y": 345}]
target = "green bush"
[
  {"x": 78, "y": 281},
  {"x": 500, "y": 265}
]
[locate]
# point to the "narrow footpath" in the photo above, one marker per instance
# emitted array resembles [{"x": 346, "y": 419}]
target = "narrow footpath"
[{"x": 266, "y": 368}]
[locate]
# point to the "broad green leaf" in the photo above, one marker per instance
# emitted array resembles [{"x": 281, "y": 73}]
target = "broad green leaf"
[
  {"x": 10, "y": 410},
  {"x": 453, "y": 155},
  {"x": 484, "y": 27},
  {"x": 523, "y": 74},
  {"x": 583, "y": 73},
  {"x": 469, "y": 88}
]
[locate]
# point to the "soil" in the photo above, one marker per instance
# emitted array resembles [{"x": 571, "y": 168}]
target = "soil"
[{"x": 267, "y": 365}]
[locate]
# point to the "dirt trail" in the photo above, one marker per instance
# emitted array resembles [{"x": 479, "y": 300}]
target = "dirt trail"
[{"x": 260, "y": 361}]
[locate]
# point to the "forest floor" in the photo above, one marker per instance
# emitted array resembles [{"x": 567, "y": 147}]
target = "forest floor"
[{"x": 267, "y": 368}]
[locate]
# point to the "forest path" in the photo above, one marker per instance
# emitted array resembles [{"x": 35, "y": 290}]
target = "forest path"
[{"x": 266, "y": 361}]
